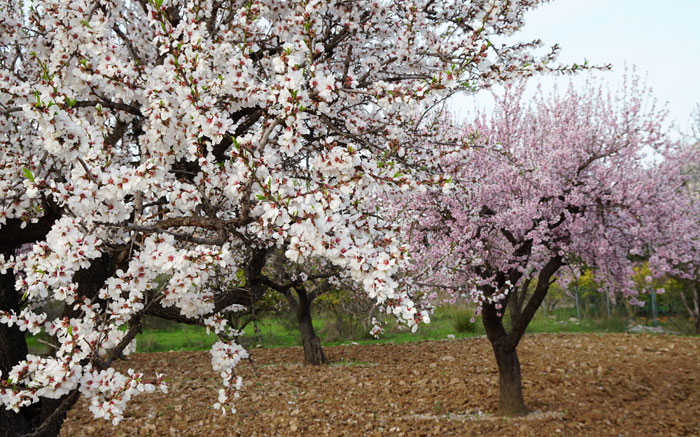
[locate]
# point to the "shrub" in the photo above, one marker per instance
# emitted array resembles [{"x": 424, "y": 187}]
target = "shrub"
[
  {"x": 343, "y": 327},
  {"x": 464, "y": 325}
]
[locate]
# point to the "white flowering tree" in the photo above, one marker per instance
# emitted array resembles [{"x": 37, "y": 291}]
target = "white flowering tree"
[{"x": 146, "y": 146}]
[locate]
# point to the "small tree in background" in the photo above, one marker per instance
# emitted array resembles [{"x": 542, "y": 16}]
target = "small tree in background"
[{"x": 301, "y": 285}]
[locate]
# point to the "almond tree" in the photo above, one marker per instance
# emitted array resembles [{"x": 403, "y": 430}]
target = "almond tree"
[
  {"x": 176, "y": 140},
  {"x": 586, "y": 176},
  {"x": 679, "y": 258},
  {"x": 300, "y": 285}
]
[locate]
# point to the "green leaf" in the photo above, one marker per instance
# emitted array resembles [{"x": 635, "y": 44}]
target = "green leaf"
[
  {"x": 28, "y": 174},
  {"x": 71, "y": 102}
]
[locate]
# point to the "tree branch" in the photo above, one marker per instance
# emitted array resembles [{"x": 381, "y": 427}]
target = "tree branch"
[{"x": 520, "y": 324}]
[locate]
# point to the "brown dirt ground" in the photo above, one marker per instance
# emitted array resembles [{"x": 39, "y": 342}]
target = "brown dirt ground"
[{"x": 585, "y": 384}]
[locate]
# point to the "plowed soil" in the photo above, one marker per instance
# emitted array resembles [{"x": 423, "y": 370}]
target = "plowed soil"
[{"x": 597, "y": 385}]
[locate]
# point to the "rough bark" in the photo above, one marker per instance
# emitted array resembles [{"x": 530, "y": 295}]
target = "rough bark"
[
  {"x": 13, "y": 345},
  {"x": 90, "y": 280},
  {"x": 511, "y": 401},
  {"x": 13, "y": 348},
  {"x": 313, "y": 352}
]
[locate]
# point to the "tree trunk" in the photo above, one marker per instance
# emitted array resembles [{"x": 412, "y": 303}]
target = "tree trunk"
[
  {"x": 696, "y": 305},
  {"x": 504, "y": 344},
  {"x": 510, "y": 401},
  {"x": 32, "y": 420},
  {"x": 313, "y": 352},
  {"x": 693, "y": 311},
  {"x": 13, "y": 345},
  {"x": 13, "y": 349}
]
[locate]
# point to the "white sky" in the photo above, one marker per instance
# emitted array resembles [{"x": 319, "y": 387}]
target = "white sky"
[{"x": 660, "y": 37}]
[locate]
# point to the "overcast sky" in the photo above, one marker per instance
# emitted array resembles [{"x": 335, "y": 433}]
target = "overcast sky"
[{"x": 660, "y": 37}]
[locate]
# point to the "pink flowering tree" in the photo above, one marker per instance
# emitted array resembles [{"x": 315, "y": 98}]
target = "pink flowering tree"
[
  {"x": 587, "y": 177},
  {"x": 148, "y": 146},
  {"x": 679, "y": 258}
]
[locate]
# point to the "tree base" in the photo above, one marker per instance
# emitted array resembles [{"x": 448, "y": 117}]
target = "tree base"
[
  {"x": 313, "y": 352},
  {"x": 511, "y": 402},
  {"x": 512, "y": 411}
]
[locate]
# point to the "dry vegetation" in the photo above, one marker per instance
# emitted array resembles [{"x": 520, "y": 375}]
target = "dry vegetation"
[{"x": 577, "y": 384}]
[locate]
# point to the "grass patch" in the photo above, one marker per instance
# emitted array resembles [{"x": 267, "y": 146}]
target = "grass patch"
[
  {"x": 35, "y": 347},
  {"x": 184, "y": 337},
  {"x": 281, "y": 331}
]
